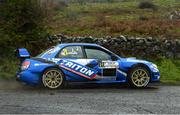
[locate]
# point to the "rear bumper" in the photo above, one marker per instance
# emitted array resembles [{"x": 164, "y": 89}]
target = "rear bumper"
[{"x": 28, "y": 77}]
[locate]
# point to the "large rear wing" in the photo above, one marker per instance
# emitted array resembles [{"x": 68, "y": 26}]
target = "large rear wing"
[{"x": 22, "y": 54}]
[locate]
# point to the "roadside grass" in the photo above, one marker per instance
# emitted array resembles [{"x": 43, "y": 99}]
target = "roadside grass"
[
  {"x": 123, "y": 17},
  {"x": 8, "y": 68},
  {"x": 169, "y": 70}
]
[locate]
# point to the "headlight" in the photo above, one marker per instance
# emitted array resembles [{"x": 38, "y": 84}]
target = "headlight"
[
  {"x": 154, "y": 65},
  {"x": 154, "y": 68},
  {"x": 25, "y": 65}
]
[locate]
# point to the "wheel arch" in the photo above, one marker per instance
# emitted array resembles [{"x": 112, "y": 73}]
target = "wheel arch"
[
  {"x": 53, "y": 66},
  {"x": 141, "y": 65},
  {"x": 57, "y": 68}
]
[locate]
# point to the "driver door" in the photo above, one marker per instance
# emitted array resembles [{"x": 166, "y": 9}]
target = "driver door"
[
  {"x": 73, "y": 60},
  {"x": 107, "y": 68}
]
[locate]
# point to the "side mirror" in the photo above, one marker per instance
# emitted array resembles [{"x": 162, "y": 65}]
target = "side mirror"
[{"x": 22, "y": 53}]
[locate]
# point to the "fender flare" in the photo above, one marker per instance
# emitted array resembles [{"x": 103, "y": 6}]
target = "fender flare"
[
  {"x": 53, "y": 66},
  {"x": 141, "y": 65}
]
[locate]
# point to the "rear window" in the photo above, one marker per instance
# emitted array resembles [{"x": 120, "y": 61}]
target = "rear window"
[
  {"x": 48, "y": 51},
  {"x": 71, "y": 52}
]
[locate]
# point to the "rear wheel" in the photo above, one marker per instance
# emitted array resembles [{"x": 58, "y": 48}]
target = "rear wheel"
[
  {"x": 53, "y": 78},
  {"x": 139, "y": 77}
]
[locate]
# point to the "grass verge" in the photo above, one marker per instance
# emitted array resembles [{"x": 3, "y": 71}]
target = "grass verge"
[
  {"x": 115, "y": 18},
  {"x": 8, "y": 68},
  {"x": 170, "y": 71}
]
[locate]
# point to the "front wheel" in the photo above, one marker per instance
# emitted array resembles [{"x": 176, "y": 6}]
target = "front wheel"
[
  {"x": 139, "y": 77},
  {"x": 53, "y": 78}
]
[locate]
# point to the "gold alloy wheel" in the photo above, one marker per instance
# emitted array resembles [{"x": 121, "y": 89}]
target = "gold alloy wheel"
[
  {"x": 52, "y": 79},
  {"x": 140, "y": 78}
]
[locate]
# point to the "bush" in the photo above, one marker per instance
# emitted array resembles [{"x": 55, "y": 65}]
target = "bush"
[
  {"x": 170, "y": 71},
  {"x": 149, "y": 27},
  {"x": 147, "y": 5},
  {"x": 143, "y": 18},
  {"x": 21, "y": 21},
  {"x": 57, "y": 5},
  {"x": 8, "y": 68}
]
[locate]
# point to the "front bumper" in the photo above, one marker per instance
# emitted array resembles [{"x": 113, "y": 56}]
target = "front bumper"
[{"x": 155, "y": 77}]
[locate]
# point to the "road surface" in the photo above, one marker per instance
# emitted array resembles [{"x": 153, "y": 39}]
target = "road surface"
[{"x": 15, "y": 98}]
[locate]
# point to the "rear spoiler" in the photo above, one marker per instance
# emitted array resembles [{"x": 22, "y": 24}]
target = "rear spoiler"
[{"x": 22, "y": 53}]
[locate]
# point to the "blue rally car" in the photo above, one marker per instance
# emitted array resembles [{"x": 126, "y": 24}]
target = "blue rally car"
[{"x": 83, "y": 62}]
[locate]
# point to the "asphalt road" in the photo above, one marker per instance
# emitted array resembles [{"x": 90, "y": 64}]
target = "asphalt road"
[{"x": 15, "y": 98}]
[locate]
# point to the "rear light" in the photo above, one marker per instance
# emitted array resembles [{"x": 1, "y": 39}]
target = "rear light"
[{"x": 25, "y": 65}]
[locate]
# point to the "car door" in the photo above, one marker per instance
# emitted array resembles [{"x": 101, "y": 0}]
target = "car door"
[
  {"x": 73, "y": 60},
  {"x": 104, "y": 63}
]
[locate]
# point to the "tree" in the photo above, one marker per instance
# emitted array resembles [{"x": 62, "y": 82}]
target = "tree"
[{"x": 22, "y": 21}]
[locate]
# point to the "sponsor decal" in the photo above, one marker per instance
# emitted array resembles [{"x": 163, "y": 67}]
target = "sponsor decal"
[
  {"x": 74, "y": 50},
  {"x": 78, "y": 69},
  {"x": 109, "y": 64},
  {"x": 65, "y": 52},
  {"x": 55, "y": 60},
  {"x": 40, "y": 64}
]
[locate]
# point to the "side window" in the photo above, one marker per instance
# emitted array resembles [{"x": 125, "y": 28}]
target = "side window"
[
  {"x": 93, "y": 53},
  {"x": 71, "y": 52}
]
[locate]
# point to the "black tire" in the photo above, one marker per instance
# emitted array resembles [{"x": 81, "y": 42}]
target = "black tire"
[
  {"x": 139, "y": 77},
  {"x": 53, "y": 78}
]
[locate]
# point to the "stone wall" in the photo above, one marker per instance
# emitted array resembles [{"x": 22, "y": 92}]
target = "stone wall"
[{"x": 129, "y": 46}]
